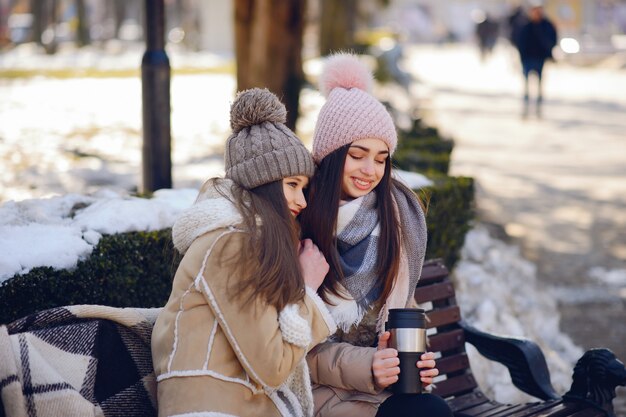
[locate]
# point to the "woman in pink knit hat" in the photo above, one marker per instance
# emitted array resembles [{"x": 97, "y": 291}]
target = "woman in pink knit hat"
[{"x": 354, "y": 216}]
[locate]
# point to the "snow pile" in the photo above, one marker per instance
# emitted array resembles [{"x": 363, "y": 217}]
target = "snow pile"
[
  {"x": 413, "y": 180},
  {"x": 613, "y": 277},
  {"x": 498, "y": 292},
  {"x": 60, "y": 231}
]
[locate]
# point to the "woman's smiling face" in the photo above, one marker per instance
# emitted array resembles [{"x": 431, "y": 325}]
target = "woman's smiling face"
[{"x": 364, "y": 167}]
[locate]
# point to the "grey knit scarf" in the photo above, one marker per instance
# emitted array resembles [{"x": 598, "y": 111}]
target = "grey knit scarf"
[{"x": 357, "y": 244}]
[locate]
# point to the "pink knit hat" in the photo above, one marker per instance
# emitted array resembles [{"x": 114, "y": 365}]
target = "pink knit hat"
[{"x": 350, "y": 112}]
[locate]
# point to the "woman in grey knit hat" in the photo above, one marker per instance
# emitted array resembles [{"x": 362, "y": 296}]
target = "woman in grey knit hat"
[{"x": 243, "y": 311}]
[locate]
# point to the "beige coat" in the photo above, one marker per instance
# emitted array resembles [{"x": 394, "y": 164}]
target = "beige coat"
[
  {"x": 341, "y": 373},
  {"x": 343, "y": 384},
  {"x": 217, "y": 357}
]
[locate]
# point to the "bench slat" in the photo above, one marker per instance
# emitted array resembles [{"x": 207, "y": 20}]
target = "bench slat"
[
  {"x": 559, "y": 410},
  {"x": 448, "y": 315},
  {"x": 432, "y": 272},
  {"x": 485, "y": 409},
  {"x": 513, "y": 409},
  {"x": 453, "y": 363},
  {"x": 465, "y": 401},
  {"x": 434, "y": 292},
  {"x": 455, "y": 385},
  {"x": 589, "y": 412},
  {"x": 442, "y": 342},
  {"x": 535, "y": 409}
]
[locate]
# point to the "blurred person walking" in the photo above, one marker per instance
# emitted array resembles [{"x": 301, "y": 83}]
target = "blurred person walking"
[
  {"x": 487, "y": 34},
  {"x": 536, "y": 40},
  {"x": 516, "y": 21}
]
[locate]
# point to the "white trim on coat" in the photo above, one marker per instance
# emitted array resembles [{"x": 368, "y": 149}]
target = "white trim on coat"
[
  {"x": 210, "y": 345},
  {"x": 204, "y": 414},
  {"x": 218, "y": 311},
  {"x": 178, "y": 314},
  {"x": 208, "y": 372}
]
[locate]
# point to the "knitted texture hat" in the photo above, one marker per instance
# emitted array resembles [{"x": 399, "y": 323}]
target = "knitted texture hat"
[
  {"x": 261, "y": 148},
  {"x": 350, "y": 112}
]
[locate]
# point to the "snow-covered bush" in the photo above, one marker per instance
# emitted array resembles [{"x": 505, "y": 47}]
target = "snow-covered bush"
[{"x": 116, "y": 249}]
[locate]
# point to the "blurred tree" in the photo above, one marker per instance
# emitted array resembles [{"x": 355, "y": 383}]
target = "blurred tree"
[
  {"x": 37, "y": 9},
  {"x": 82, "y": 29},
  {"x": 337, "y": 25},
  {"x": 340, "y": 20},
  {"x": 119, "y": 14},
  {"x": 183, "y": 23},
  {"x": 5, "y": 11},
  {"x": 45, "y": 16},
  {"x": 268, "y": 44}
]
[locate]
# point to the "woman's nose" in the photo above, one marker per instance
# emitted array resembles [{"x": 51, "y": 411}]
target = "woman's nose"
[
  {"x": 301, "y": 200},
  {"x": 368, "y": 168}
]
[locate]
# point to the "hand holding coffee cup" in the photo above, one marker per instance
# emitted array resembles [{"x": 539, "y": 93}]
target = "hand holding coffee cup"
[
  {"x": 385, "y": 366},
  {"x": 407, "y": 335},
  {"x": 426, "y": 364}
]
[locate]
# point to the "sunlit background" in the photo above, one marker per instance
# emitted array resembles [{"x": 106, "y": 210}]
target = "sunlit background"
[{"x": 71, "y": 116}]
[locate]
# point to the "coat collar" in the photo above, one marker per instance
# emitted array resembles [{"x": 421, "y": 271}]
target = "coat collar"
[{"x": 210, "y": 212}]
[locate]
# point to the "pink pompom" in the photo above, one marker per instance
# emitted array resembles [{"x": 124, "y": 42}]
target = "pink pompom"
[{"x": 345, "y": 71}]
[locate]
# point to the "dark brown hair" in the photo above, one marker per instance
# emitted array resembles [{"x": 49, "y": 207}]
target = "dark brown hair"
[
  {"x": 319, "y": 222},
  {"x": 268, "y": 260}
]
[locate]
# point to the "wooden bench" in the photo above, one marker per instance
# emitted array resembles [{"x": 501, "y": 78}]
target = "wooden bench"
[{"x": 596, "y": 374}]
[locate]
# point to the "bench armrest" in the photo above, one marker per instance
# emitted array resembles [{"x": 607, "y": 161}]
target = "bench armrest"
[{"x": 523, "y": 358}]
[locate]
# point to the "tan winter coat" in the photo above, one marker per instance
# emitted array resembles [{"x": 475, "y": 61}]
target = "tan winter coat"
[
  {"x": 343, "y": 384},
  {"x": 341, "y": 373},
  {"x": 217, "y": 357}
]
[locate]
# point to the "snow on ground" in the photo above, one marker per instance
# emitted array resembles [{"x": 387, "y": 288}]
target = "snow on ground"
[
  {"x": 79, "y": 135},
  {"x": 60, "y": 231},
  {"x": 499, "y": 293}
]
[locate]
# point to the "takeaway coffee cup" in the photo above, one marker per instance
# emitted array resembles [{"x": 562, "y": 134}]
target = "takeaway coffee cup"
[{"x": 408, "y": 336}]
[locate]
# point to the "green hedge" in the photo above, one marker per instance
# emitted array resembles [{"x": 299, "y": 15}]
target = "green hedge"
[
  {"x": 450, "y": 201},
  {"x": 131, "y": 269},
  {"x": 450, "y": 205},
  {"x": 428, "y": 163},
  {"x": 422, "y": 149},
  {"x": 136, "y": 269}
]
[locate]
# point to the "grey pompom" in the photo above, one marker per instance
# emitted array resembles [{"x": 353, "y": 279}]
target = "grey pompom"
[{"x": 255, "y": 106}]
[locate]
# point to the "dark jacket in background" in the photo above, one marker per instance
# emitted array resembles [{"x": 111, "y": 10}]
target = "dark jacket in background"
[{"x": 536, "y": 40}]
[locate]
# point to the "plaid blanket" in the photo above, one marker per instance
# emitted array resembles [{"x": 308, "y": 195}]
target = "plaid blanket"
[{"x": 85, "y": 360}]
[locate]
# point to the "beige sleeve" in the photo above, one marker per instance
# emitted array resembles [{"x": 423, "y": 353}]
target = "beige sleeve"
[
  {"x": 268, "y": 345},
  {"x": 342, "y": 365}
]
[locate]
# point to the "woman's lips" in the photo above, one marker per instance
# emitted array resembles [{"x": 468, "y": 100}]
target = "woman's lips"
[{"x": 361, "y": 184}]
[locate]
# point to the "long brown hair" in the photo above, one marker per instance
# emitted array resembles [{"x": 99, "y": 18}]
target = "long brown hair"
[
  {"x": 319, "y": 223},
  {"x": 268, "y": 260}
]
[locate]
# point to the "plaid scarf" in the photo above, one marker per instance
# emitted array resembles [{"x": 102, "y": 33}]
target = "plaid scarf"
[
  {"x": 357, "y": 243},
  {"x": 78, "y": 360},
  {"x": 358, "y": 230}
]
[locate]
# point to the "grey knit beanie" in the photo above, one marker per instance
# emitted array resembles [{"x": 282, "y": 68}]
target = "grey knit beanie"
[{"x": 261, "y": 148}]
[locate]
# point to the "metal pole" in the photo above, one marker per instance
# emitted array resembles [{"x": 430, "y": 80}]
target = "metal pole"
[{"x": 155, "y": 82}]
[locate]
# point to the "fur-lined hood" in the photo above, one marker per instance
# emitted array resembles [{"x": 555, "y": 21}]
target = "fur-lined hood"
[{"x": 211, "y": 211}]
